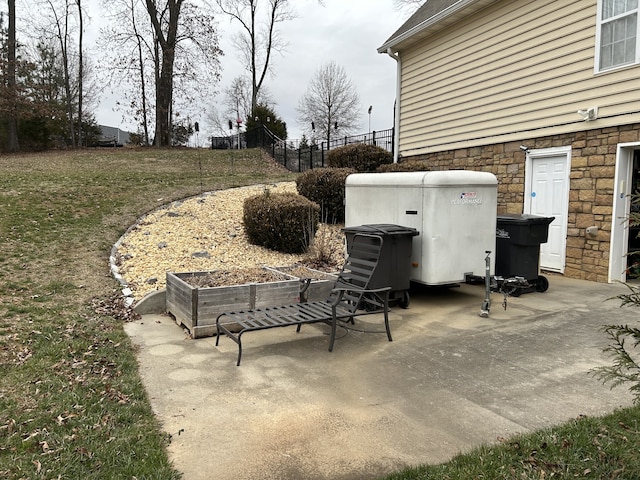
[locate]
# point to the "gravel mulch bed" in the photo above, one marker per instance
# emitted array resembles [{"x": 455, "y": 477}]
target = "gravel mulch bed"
[{"x": 205, "y": 233}]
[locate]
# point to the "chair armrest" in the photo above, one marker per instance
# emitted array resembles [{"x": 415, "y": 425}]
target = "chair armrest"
[
  {"x": 349, "y": 288},
  {"x": 346, "y": 288}
]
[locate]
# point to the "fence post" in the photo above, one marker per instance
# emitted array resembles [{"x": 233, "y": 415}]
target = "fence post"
[
  {"x": 322, "y": 152},
  {"x": 374, "y": 137}
]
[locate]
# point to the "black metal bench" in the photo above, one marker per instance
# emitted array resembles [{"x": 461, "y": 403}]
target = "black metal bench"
[{"x": 349, "y": 298}]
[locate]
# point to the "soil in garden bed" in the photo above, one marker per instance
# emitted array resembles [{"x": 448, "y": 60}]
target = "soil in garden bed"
[
  {"x": 300, "y": 271},
  {"x": 240, "y": 276}
]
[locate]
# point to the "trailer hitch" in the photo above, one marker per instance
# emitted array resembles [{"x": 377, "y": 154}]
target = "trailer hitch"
[{"x": 511, "y": 286}]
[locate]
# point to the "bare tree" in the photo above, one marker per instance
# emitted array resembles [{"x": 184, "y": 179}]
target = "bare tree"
[
  {"x": 165, "y": 19},
  {"x": 13, "y": 145},
  {"x": 128, "y": 41},
  {"x": 257, "y": 40},
  {"x": 174, "y": 22},
  {"x": 58, "y": 27},
  {"x": 164, "y": 57},
  {"x": 62, "y": 33},
  {"x": 217, "y": 125},
  {"x": 238, "y": 99},
  {"x": 408, "y": 6},
  {"x": 330, "y": 105}
]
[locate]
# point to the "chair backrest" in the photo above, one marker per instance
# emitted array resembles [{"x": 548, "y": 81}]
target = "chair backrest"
[{"x": 359, "y": 267}]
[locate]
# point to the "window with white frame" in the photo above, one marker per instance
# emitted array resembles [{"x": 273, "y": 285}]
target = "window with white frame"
[{"x": 617, "y": 34}]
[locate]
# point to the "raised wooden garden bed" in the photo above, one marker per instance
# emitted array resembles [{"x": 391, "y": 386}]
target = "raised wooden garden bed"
[
  {"x": 321, "y": 282},
  {"x": 196, "y": 306}
]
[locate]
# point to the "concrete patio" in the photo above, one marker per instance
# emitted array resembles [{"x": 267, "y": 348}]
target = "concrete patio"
[{"x": 449, "y": 382}]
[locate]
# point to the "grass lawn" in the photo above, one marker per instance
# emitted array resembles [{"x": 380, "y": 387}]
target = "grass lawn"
[
  {"x": 72, "y": 405},
  {"x": 585, "y": 448},
  {"x": 71, "y": 401}
]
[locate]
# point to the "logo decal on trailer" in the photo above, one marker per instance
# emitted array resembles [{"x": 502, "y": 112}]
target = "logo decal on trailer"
[{"x": 467, "y": 198}]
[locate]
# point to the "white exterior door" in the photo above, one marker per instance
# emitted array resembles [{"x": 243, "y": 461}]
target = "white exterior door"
[
  {"x": 547, "y": 195},
  {"x": 621, "y": 208}
]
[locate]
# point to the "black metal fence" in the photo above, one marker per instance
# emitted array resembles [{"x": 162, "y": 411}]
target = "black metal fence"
[{"x": 295, "y": 155}]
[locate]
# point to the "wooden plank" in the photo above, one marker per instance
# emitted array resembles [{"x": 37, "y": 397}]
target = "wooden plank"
[{"x": 276, "y": 293}]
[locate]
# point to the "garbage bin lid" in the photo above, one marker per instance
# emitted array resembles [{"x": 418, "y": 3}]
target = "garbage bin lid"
[
  {"x": 382, "y": 229},
  {"x": 527, "y": 219}
]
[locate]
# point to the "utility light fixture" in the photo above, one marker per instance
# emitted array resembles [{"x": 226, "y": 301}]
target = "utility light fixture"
[{"x": 589, "y": 114}]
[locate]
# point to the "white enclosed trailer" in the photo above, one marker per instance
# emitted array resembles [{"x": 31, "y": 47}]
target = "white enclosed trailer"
[{"x": 455, "y": 212}]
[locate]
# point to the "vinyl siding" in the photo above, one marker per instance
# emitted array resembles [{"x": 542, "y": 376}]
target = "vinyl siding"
[{"x": 515, "y": 70}]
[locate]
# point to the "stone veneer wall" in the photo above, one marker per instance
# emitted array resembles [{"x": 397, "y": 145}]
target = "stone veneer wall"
[{"x": 593, "y": 160}]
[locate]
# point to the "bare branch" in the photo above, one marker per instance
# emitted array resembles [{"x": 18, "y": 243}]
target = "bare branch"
[
  {"x": 408, "y": 6},
  {"x": 257, "y": 40}
]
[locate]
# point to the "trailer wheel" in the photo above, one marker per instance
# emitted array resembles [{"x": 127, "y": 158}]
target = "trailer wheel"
[
  {"x": 404, "y": 301},
  {"x": 542, "y": 285}
]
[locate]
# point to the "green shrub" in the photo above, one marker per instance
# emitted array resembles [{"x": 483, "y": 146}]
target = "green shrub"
[
  {"x": 409, "y": 166},
  {"x": 285, "y": 222},
  {"x": 624, "y": 339},
  {"x": 361, "y": 157},
  {"x": 325, "y": 186}
]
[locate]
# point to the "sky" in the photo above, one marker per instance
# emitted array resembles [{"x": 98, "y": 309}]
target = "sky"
[{"x": 345, "y": 31}]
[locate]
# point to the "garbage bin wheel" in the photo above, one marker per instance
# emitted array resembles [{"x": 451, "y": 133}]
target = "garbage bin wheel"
[
  {"x": 542, "y": 285},
  {"x": 369, "y": 307},
  {"x": 403, "y": 302}
]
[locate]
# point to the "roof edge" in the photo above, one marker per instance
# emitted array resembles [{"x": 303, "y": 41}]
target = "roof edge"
[{"x": 438, "y": 17}]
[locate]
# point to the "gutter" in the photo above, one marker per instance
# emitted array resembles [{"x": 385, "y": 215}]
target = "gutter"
[{"x": 396, "y": 113}]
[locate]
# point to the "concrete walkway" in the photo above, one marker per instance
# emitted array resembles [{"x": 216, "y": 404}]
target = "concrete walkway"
[{"x": 449, "y": 382}]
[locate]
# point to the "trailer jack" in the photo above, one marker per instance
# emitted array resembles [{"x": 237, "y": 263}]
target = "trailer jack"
[{"x": 511, "y": 286}]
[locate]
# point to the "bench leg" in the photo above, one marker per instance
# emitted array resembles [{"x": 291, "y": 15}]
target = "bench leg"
[
  {"x": 218, "y": 329},
  {"x": 332, "y": 338},
  {"x": 238, "y": 339},
  {"x": 239, "y": 349},
  {"x": 386, "y": 315},
  {"x": 386, "y": 325}
]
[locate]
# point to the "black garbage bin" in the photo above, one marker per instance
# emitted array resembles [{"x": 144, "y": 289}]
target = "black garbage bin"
[
  {"x": 394, "y": 266},
  {"x": 518, "y": 240}
]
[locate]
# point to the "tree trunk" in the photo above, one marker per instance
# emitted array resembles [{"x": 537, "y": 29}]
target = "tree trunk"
[
  {"x": 143, "y": 83},
  {"x": 156, "y": 77},
  {"x": 80, "y": 73},
  {"x": 13, "y": 144},
  {"x": 163, "y": 103},
  {"x": 164, "y": 85},
  {"x": 257, "y": 85}
]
